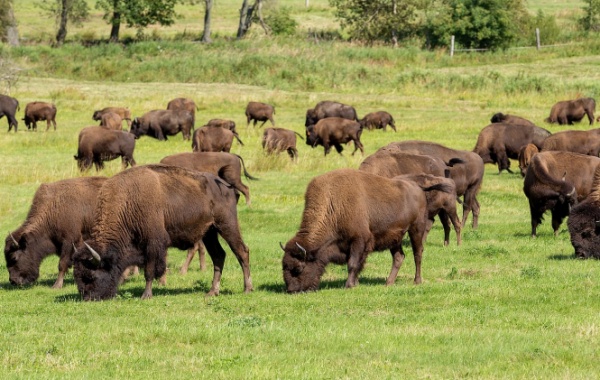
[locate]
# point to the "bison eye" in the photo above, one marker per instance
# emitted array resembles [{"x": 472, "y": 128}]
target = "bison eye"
[
  {"x": 296, "y": 271},
  {"x": 586, "y": 234}
]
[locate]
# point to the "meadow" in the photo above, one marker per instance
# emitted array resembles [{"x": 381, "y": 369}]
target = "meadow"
[{"x": 501, "y": 305}]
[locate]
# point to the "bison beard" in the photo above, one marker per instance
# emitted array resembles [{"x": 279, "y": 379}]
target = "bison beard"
[{"x": 143, "y": 211}]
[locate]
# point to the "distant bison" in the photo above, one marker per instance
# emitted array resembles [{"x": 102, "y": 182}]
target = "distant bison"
[
  {"x": 584, "y": 223},
  {"x": 142, "y": 212},
  {"x": 162, "y": 123},
  {"x": 184, "y": 104},
  {"x": 98, "y": 144},
  {"x": 277, "y": 140},
  {"x": 570, "y": 111},
  {"x": 111, "y": 120},
  {"x": 123, "y": 112},
  {"x": 39, "y": 111},
  {"x": 498, "y": 142},
  {"x": 378, "y": 120},
  {"x": 328, "y": 108},
  {"x": 223, "y": 123},
  {"x": 556, "y": 181},
  {"x": 61, "y": 214},
  {"x": 500, "y": 117},
  {"x": 260, "y": 112},
  {"x": 8, "y": 108},
  {"x": 335, "y": 131},
  {"x": 213, "y": 139}
]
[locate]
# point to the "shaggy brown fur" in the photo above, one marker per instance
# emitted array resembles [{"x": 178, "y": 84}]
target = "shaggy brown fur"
[
  {"x": 98, "y": 144},
  {"x": 335, "y": 131},
  {"x": 111, "y": 120},
  {"x": 584, "y": 223},
  {"x": 39, "y": 111},
  {"x": 184, "y": 104},
  {"x": 8, "y": 108},
  {"x": 223, "y": 123},
  {"x": 378, "y": 120},
  {"x": 213, "y": 139},
  {"x": 124, "y": 112},
  {"x": 584, "y": 142},
  {"x": 525, "y": 155},
  {"x": 258, "y": 111},
  {"x": 328, "y": 108},
  {"x": 510, "y": 119},
  {"x": 162, "y": 123},
  {"x": 276, "y": 140},
  {"x": 570, "y": 111}
]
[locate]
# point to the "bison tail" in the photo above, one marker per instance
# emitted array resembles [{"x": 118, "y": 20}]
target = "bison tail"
[
  {"x": 238, "y": 139},
  {"x": 299, "y": 135},
  {"x": 246, "y": 174},
  {"x": 454, "y": 161}
]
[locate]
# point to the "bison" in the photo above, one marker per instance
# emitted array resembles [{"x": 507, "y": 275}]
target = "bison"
[
  {"x": 8, "y": 108},
  {"x": 123, "y": 112},
  {"x": 111, "y": 120},
  {"x": 39, "y": 111},
  {"x": 335, "y": 131},
  {"x": 213, "y": 139},
  {"x": 223, "y": 123},
  {"x": 500, "y": 117},
  {"x": 570, "y": 111},
  {"x": 260, "y": 112},
  {"x": 61, "y": 214},
  {"x": 327, "y": 108},
  {"x": 555, "y": 181},
  {"x": 525, "y": 155},
  {"x": 162, "y": 123},
  {"x": 276, "y": 140},
  {"x": 468, "y": 176},
  {"x": 184, "y": 104},
  {"x": 584, "y": 223},
  {"x": 347, "y": 215},
  {"x": 143, "y": 211},
  {"x": 584, "y": 142},
  {"x": 498, "y": 142},
  {"x": 98, "y": 144},
  {"x": 377, "y": 120}
]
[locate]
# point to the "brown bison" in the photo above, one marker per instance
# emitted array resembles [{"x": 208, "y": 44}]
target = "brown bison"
[
  {"x": 347, "y": 215},
  {"x": 143, "y": 211},
  {"x": 223, "y": 123},
  {"x": 184, "y": 104},
  {"x": 111, "y": 120},
  {"x": 467, "y": 176},
  {"x": 334, "y": 131},
  {"x": 570, "y": 111},
  {"x": 213, "y": 139},
  {"x": 162, "y": 123},
  {"x": 260, "y": 112},
  {"x": 98, "y": 144},
  {"x": 584, "y": 142},
  {"x": 377, "y": 120},
  {"x": 61, "y": 214},
  {"x": 498, "y": 142},
  {"x": 500, "y": 117},
  {"x": 8, "y": 108},
  {"x": 39, "y": 111},
  {"x": 555, "y": 181},
  {"x": 328, "y": 108},
  {"x": 276, "y": 140},
  {"x": 525, "y": 155},
  {"x": 225, "y": 165},
  {"x": 123, "y": 112},
  {"x": 584, "y": 223}
]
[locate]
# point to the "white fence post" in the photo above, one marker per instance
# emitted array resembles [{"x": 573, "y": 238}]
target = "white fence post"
[
  {"x": 537, "y": 38},
  {"x": 452, "y": 46},
  {"x": 306, "y": 3}
]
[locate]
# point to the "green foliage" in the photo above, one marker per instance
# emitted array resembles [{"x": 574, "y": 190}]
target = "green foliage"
[
  {"x": 139, "y": 13},
  {"x": 5, "y": 19},
  {"x": 591, "y": 18},
  {"x": 281, "y": 22},
  {"x": 550, "y": 32},
  {"x": 77, "y": 10}
]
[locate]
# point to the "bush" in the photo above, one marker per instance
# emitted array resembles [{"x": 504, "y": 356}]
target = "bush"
[{"x": 280, "y": 22}]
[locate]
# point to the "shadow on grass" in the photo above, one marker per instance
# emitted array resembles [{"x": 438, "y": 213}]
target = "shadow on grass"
[
  {"x": 327, "y": 284},
  {"x": 562, "y": 257}
]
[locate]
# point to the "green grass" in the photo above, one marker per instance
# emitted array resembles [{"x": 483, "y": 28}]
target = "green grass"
[{"x": 502, "y": 305}]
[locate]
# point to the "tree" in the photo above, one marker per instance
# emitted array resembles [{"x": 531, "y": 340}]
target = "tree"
[
  {"x": 63, "y": 11},
  {"x": 591, "y": 16},
  {"x": 208, "y": 4},
  {"x": 8, "y": 25},
  {"x": 136, "y": 13},
  {"x": 247, "y": 14}
]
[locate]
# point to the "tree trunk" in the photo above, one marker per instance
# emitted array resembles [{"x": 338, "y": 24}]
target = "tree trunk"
[
  {"x": 258, "y": 6},
  {"x": 62, "y": 29},
  {"x": 245, "y": 19},
  {"x": 207, "y": 13},
  {"x": 12, "y": 33},
  {"x": 116, "y": 25}
]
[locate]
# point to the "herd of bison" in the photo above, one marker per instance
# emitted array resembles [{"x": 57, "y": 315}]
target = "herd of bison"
[{"x": 103, "y": 226}]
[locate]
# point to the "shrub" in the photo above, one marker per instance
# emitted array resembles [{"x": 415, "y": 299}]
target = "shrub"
[{"x": 280, "y": 22}]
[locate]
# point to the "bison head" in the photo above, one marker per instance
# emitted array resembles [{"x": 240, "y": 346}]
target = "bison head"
[
  {"x": 301, "y": 271},
  {"x": 97, "y": 115},
  {"x": 311, "y": 117},
  {"x": 23, "y": 268},
  {"x": 584, "y": 227},
  {"x": 311, "y": 136},
  {"x": 138, "y": 128},
  {"x": 97, "y": 277}
]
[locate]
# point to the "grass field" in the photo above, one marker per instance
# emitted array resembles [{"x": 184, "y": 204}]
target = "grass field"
[{"x": 501, "y": 305}]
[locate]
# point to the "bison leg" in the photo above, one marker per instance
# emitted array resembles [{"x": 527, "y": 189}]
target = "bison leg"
[
  {"x": 445, "y": 219},
  {"x": 232, "y": 235},
  {"x": 356, "y": 261},
  {"x": 397, "y": 260},
  {"x": 190, "y": 255},
  {"x": 358, "y": 145},
  {"x": 470, "y": 204},
  {"x": 415, "y": 233},
  {"x": 451, "y": 214},
  {"x": 559, "y": 212},
  {"x": 217, "y": 255},
  {"x": 393, "y": 126},
  {"x": 64, "y": 263},
  {"x": 338, "y": 147},
  {"x": 156, "y": 265}
]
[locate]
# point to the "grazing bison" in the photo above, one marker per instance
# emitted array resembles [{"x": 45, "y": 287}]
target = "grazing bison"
[
  {"x": 583, "y": 142},
  {"x": 61, "y": 214},
  {"x": 328, "y": 108},
  {"x": 378, "y": 120},
  {"x": 467, "y": 176},
  {"x": 276, "y": 140},
  {"x": 510, "y": 119},
  {"x": 213, "y": 139},
  {"x": 184, "y": 104},
  {"x": 123, "y": 112},
  {"x": 39, "y": 111},
  {"x": 584, "y": 223},
  {"x": 555, "y": 181},
  {"x": 570, "y": 111},
  {"x": 8, "y": 108},
  {"x": 162, "y": 123},
  {"x": 347, "y": 215},
  {"x": 223, "y": 123},
  {"x": 98, "y": 144},
  {"x": 335, "y": 131},
  {"x": 111, "y": 120},
  {"x": 225, "y": 165},
  {"x": 525, "y": 155},
  {"x": 498, "y": 142},
  {"x": 260, "y": 112},
  {"x": 143, "y": 211}
]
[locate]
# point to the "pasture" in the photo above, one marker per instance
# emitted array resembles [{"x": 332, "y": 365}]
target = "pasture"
[{"x": 501, "y": 305}]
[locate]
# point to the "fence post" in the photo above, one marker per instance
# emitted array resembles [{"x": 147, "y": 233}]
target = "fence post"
[
  {"x": 452, "y": 46},
  {"x": 306, "y": 3},
  {"x": 537, "y": 38}
]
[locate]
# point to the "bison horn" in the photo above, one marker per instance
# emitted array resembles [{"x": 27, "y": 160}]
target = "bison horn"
[
  {"x": 301, "y": 249},
  {"x": 74, "y": 248},
  {"x": 13, "y": 239},
  {"x": 95, "y": 254},
  {"x": 597, "y": 223},
  {"x": 564, "y": 176},
  {"x": 571, "y": 193}
]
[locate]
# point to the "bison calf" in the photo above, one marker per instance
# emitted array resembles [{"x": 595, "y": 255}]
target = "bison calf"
[
  {"x": 123, "y": 112},
  {"x": 213, "y": 139},
  {"x": 276, "y": 140},
  {"x": 335, "y": 131},
  {"x": 40, "y": 111},
  {"x": 378, "y": 120},
  {"x": 259, "y": 112},
  {"x": 98, "y": 144}
]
